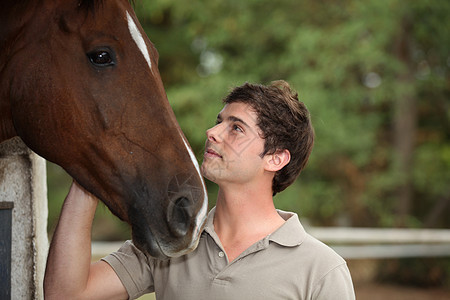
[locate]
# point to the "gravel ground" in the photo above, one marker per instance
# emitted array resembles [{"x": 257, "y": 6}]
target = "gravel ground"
[{"x": 375, "y": 291}]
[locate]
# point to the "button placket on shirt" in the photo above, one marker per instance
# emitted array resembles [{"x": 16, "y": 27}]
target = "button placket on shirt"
[
  {"x": 224, "y": 274},
  {"x": 222, "y": 263}
]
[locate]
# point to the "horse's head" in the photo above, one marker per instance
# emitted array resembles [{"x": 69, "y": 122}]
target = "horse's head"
[{"x": 85, "y": 92}]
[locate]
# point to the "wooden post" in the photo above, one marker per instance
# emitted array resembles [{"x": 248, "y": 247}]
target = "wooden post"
[{"x": 23, "y": 182}]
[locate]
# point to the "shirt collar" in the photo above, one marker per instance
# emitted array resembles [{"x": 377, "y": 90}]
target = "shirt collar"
[
  {"x": 209, "y": 227},
  {"x": 290, "y": 234}
]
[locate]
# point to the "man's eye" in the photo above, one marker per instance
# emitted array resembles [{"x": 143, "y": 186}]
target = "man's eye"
[{"x": 237, "y": 128}]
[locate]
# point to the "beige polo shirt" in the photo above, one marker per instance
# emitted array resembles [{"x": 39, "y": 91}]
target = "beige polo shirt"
[{"x": 287, "y": 264}]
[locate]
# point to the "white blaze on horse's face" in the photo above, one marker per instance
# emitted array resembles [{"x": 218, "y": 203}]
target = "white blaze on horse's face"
[
  {"x": 203, "y": 211},
  {"x": 201, "y": 216},
  {"x": 139, "y": 40}
]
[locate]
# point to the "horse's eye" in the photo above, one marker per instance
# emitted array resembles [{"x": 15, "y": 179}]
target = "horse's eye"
[{"x": 101, "y": 58}]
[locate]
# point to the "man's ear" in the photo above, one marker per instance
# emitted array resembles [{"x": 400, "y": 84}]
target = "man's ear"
[{"x": 277, "y": 160}]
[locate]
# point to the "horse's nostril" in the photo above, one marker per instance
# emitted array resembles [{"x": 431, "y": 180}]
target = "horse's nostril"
[{"x": 180, "y": 216}]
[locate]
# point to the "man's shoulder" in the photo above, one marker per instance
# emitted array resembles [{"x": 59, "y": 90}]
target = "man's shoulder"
[
  {"x": 321, "y": 251},
  {"x": 292, "y": 233},
  {"x": 329, "y": 271},
  {"x": 312, "y": 266},
  {"x": 302, "y": 248}
]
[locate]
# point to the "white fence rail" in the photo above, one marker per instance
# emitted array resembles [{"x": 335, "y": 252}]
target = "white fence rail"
[
  {"x": 379, "y": 235},
  {"x": 360, "y": 243},
  {"x": 392, "y": 251}
]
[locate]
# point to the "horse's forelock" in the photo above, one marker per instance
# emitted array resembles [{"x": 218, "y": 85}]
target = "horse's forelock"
[{"x": 92, "y": 5}]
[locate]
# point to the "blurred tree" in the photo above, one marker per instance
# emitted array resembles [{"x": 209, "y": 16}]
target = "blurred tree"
[{"x": 374, "y": 75}]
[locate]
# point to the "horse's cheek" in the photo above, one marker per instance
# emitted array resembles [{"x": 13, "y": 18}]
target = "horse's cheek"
[{"x": 32, "y": 107}]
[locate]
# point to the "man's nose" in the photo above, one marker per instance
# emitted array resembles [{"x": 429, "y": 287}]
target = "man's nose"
[{"x": 213, "y": 134}]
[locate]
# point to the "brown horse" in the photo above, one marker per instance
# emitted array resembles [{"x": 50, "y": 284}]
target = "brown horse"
[{"x": 79, "y": 83}]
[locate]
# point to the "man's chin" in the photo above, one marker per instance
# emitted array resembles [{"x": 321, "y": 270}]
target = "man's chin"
[{"x": 208, "y": 175}]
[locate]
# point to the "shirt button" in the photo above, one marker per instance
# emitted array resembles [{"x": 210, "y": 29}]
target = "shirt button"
[{"x": 221, "y": 254}]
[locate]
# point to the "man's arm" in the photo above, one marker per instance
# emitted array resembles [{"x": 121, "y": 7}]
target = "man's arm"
[
  {"x": 69, "y": 273},
  {"x": 336, "y": 284}
]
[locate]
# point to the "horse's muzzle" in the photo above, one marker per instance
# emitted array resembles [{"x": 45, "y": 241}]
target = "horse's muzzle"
[
  {"x": 168, "y": 226},
  {"x": 179, "y": 215}
]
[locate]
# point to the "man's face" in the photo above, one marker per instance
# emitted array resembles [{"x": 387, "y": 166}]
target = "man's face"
[{"x": 233, "y": 146}]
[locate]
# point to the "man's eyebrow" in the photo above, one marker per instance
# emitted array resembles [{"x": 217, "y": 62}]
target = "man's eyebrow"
[
  {"x": 233, "y": 119},
  {"x": 236, "y": 119}
]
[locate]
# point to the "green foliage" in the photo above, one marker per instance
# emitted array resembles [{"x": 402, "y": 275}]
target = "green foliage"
[
  {"x": 58, "y": 183},
  {"x": 343, "y": 58}
]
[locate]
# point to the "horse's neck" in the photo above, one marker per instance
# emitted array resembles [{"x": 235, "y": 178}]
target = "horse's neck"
[{"x": 14, "y": 15}]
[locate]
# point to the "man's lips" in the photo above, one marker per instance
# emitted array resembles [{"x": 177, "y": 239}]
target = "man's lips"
[{"x": 212, "y": 153}]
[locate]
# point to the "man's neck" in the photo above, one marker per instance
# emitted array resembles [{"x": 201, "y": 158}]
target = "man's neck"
[{"x": 243, "y": 217}]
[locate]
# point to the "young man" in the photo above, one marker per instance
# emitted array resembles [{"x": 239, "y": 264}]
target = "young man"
[{"x": 248, "y": 250}]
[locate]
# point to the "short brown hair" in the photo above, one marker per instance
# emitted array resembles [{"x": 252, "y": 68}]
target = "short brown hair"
[{"x": 284, "y": 122}]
